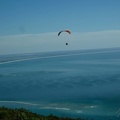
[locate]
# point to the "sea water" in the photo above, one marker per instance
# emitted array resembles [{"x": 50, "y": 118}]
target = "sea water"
[{"x": 68, "y": 83}]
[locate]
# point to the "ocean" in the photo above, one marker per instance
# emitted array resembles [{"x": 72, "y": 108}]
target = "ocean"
[{"x": 81, "y": 83}]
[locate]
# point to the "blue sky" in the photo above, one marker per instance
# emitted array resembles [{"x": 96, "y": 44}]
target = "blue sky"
[
  {"x": 18, "y": 17},
  {"x": 41, "y": 16}
]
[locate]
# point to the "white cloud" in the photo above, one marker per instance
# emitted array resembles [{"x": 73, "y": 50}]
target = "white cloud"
[{"x": 27, "y": 43}]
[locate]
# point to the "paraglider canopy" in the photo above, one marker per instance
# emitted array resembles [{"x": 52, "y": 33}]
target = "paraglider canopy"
[{"x": 68, "y": 31}]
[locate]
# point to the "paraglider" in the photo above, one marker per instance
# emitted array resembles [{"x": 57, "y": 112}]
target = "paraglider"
[
  {"x": 68, "y": 31},
  {"x": 66, "y": 43}
]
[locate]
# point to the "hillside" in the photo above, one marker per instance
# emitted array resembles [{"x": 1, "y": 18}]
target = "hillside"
[{"x": 22, "y": 114}]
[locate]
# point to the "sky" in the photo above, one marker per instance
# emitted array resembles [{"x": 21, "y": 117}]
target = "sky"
[{"x": 32, "y": 25}]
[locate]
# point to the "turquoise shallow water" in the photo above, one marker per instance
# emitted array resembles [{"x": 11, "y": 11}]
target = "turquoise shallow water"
[{"x": 74, "y": 83}]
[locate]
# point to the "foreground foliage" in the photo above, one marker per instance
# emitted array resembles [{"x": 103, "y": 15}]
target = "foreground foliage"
[{"x": 22, "y": 114}]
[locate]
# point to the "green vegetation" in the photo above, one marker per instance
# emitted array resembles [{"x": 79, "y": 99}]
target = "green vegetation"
[{"x": 22, "y": 114}]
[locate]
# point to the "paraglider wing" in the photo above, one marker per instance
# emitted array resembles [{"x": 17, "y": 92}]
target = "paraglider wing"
[
  {"x": 68, "y": 31},
  {"x": 59, "y": 33}
]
